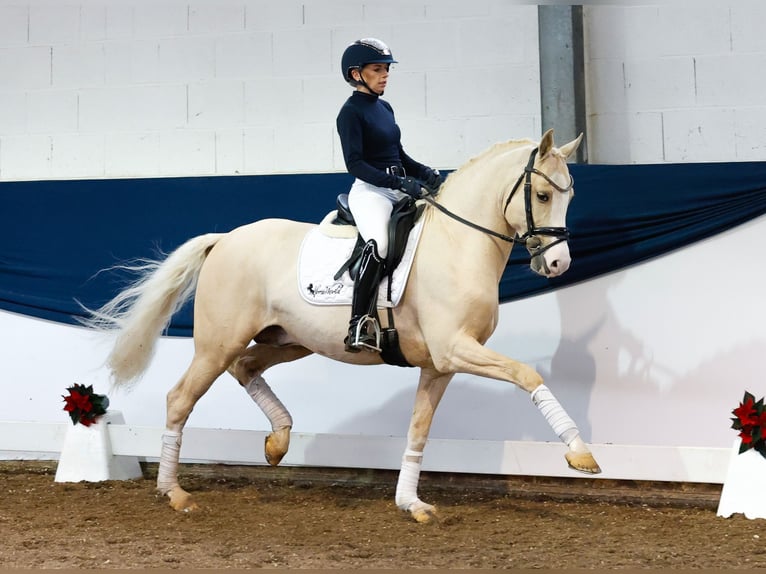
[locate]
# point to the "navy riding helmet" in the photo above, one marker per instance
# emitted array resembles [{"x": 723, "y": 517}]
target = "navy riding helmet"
[{"x": 361, "y": 52}]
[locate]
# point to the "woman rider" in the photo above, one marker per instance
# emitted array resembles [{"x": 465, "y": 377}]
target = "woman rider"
[{"x": 384, "y": 173}]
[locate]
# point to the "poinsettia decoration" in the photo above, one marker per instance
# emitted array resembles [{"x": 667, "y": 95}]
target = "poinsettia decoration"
[
  {"x": 750, "y": 421},
  {"x": 83, "y": 405}
]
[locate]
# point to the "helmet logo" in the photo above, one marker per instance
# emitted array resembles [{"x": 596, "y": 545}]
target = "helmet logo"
[{"x": 376, "y": 45}]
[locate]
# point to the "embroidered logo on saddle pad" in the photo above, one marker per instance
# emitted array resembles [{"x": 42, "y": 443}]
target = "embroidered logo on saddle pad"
[{"x": 326, "y": 248}]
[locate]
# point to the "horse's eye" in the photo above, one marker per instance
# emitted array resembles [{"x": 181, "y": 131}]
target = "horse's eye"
[{"x": 543, "y": 197}]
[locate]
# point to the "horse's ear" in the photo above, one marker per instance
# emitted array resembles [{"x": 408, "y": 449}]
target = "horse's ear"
[
  {"x": 546, "y": 144},
  {"x": 568, "y": 149}
]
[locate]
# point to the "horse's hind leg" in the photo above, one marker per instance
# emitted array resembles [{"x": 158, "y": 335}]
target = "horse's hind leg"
[
  {"x": 430, "y": 391},
  {"x": 181, "y": 399},
  {"x": 248, "y": 369}
]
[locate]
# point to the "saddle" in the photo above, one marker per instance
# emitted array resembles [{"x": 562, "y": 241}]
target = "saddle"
[{"x": 403, "y": 217}]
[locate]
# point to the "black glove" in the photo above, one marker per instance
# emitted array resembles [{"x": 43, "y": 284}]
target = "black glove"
[
  {"x": 432, "y": 180},
  {"x": 411, "y": 187}
]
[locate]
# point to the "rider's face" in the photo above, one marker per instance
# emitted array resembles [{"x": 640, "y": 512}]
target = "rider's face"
[{"x": 375, "y": 76}]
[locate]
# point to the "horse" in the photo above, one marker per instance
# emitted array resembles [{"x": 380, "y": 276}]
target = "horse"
[{"x": 249, "y": 316}]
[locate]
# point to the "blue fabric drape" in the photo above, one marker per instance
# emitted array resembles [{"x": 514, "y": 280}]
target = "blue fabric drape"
[{"x": 56, "y": 237}]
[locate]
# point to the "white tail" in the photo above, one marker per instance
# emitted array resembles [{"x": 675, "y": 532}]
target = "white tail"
[{"x": 140, "y": 313}]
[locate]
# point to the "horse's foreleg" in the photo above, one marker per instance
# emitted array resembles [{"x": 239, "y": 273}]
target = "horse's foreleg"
[
  {"x": 248, "y": 369},
  {"x": 430, "y": 391},
  {"x": 469, "y": 356}
]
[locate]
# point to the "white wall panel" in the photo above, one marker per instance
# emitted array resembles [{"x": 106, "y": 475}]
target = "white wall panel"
[
  {"x": 699, "y": 135},
  {"x": 662, "y": 83},
  {"x": 747, "y": 20},
  {"x": 132, "y": 154},
  {"x": 244, "y": 55},
  {"x": 77, "y": 155},
  {"x": 269, "y": 100},
  {"x": 750, "y": 133},
  {"x": 78, "y": 66},
  {"x": 25, "y": 157},
  {"x": 52, "y": 111},
  {"x": 162, "y": 19},
  {"x": 692, "y": 66},
  {"x": 22, "y": 68},
  {"x": 14, "y": 28},
  {"x": 230, "y": 150},
  {"x": 185, "y": 59},
  {"x": 730, "y": 80},
  {"x": 150, "y": 68},
  {"x": 13, "y": 111},
  {"x": 192, "y": 151},
  {"x": 216, "y": 104},
  {"x": 120, "y": 21},
  {"x": 270, "y": 15},
  {"x": 220, "y": 17},
  {"x": 53, "y": 23},
  {"x": 135, "y": 107},
  {"x": 134, "y": 62}
]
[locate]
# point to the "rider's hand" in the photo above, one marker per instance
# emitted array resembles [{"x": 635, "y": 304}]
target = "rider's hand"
[
  {"x": 432, "y": 180},
  {"x": 411, "y": 186}
]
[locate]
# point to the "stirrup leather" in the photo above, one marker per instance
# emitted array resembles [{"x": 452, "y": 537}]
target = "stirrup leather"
[{"x": 362, "y": 338}]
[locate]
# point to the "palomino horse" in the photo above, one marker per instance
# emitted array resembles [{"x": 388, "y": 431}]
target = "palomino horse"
[{"x": 246, "y": 291}]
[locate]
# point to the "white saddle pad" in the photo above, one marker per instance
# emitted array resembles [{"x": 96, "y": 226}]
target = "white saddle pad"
[{"x": 324, "y": 251}]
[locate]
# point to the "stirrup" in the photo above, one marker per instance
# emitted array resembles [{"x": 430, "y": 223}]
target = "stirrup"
[{"x": 363, "y": 339}]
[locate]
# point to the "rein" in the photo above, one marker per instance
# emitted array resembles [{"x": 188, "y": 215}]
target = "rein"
[{"x": 530, "y": 238}]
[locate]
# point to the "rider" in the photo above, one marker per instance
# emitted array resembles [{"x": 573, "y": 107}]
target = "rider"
[{"x": 384, "y": 173}]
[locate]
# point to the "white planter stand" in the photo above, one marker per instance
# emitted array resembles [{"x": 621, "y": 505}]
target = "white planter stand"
[
  {"x": 87, "y": 454},
  {"x": 744, "y": 491}
]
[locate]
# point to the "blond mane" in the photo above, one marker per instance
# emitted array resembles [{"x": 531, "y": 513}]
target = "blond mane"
[{"x": 492, "y": 151}]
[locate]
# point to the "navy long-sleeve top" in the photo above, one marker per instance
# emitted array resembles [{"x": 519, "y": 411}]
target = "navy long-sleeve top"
[{"x": 371, "y": 141}]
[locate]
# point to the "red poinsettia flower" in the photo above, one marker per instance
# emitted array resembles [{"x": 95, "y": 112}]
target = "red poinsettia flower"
[
  {"x": 76, "y": 401},
  {"x": 750, "y": 421},
  {"x": 746, "y": 437},
  {"x": 746, "y": 412},
  {"x": 83, "y": 405}
]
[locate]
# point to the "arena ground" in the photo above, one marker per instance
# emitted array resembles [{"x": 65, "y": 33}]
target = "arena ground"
[{"x": 257, "y": 517}]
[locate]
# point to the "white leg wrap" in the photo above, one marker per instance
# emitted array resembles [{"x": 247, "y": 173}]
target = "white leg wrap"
[
  {"x": 409, "y": 475},
  {"x": 271, "y": 406},
  {"x": 555, "y": 414},
  {"x": 167, "y": 475}
]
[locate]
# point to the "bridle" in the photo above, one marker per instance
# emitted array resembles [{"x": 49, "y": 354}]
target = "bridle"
[{"x": 530, "y": 239}]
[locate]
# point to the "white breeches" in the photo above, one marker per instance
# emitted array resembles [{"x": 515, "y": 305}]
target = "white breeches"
[{"x": 371, "y": 207}]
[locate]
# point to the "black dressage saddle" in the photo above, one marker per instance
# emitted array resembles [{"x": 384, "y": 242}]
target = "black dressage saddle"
[{"x": 403, "y": 217}]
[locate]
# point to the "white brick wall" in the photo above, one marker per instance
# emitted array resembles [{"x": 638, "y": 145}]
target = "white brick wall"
[
  {"x": 676, "y": 82},
  {"x": 216, "y": 87},
  {"x": 192, "y": 87}
]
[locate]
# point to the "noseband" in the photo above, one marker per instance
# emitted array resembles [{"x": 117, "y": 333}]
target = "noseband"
[{"x": 530, "y": 239}]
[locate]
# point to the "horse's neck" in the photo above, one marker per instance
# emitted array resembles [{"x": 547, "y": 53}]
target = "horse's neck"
[
  {"x": 477, "y": 193},
  {"x": 478, "y": 190}
]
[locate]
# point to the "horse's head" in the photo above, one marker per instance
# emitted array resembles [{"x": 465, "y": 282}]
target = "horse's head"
[{"x": 536, "y": 207}]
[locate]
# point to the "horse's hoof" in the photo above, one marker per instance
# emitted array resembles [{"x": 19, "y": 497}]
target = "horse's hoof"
[
  {"x": 423, "y": 513},
  {"x": 583, "y": 462},
  {"x": 182, "y": 501},
  {"x": 276, "y": 445}
]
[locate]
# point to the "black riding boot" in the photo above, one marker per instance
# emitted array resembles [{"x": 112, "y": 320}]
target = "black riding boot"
[{"x": 364, "y": 301}]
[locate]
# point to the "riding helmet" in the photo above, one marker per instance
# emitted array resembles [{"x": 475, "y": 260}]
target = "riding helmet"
[{"x": 361, "y": 52}]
